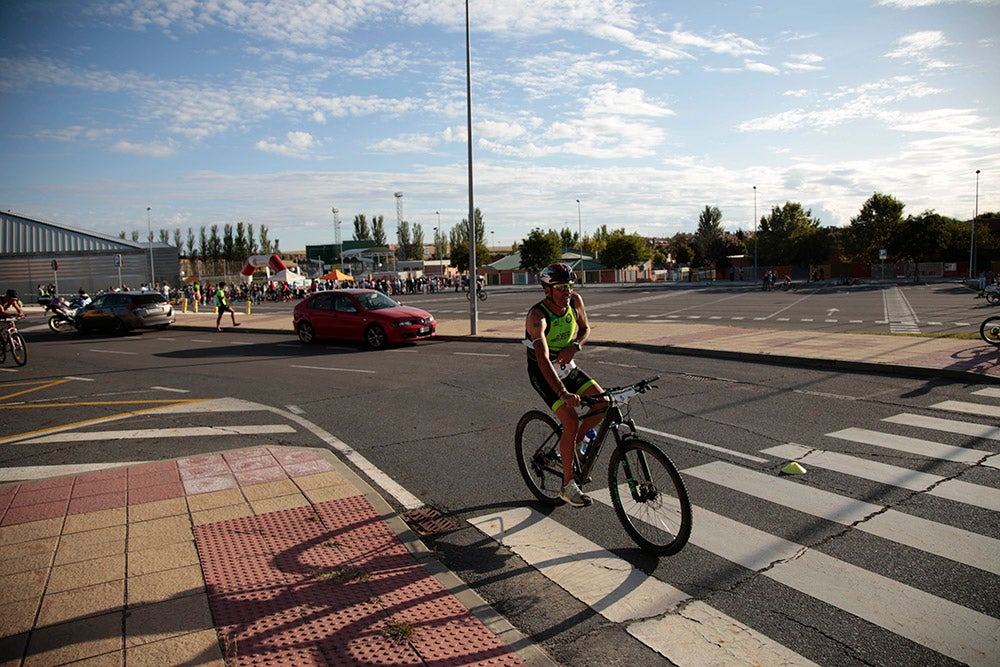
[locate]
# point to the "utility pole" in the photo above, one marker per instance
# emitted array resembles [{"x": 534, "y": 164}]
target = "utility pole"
[
  {"x": 399, "y": 222},
  {"x": 336, "y": 237}
]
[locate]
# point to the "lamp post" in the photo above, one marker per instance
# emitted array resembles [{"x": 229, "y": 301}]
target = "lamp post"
[
  {"x": 473, "y": 307},
  {"x": 579, "y": 223},
  {"x": 972, "y": 243},
  {"x": 755, "y": 233},
  {"x": 149, "y": 229},
  {"x": 336, "y": 237}
]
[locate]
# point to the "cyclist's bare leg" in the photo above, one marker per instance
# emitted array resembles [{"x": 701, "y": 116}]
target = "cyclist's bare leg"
[
  {"x": 567, "y": 441},
  {"x": 596, "y": 413}
]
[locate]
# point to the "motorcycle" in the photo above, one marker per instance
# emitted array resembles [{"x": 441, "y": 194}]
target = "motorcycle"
[{"x": 63, "y": 318}]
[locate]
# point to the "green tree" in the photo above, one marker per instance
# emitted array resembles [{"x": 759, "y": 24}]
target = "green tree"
[
  {"x": 265, "y": 243},
  {"x": 460, "y": 242},
  {"x": 404, "y": 246},
  {"x": 623, "y": 250},
  {"x": 228, "y": 243},
  {"x": 191, "y": 248},
  {"x": 873, "y": 229},
  {"x": 135, "y": 236},
  {"x": 251, "y": 241},
  {"x": 418, "y": 242},
  {"x": 214, "y": 243},
  {"x": 177, "y": 240},
  {"x": 241, "y": 248},
  {"x": 540, "y": 249},
  {"x": 378, "y": 231},
  {"x": 164, "y": 236},
  {"x": 361, "y": 230},
  {"x": 680, "y": 247},
  {"x": 710, "y": 237},
  {"x": 568, "y": 238},
  {"x": 790, "y": 235}
]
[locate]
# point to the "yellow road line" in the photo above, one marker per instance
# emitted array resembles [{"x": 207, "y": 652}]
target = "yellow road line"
[
  {"x": 96, "y": 420},
  {"x": 35, "y": 386}
]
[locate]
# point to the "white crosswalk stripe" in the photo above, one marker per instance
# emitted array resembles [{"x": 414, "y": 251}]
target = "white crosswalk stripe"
[
  {"x": 946, "y": 425},
  {"x": 623, "y": 594},
  {"x": 949, "y": 542},
  {"x": 661, "y": 615},
  {"x": 927, "y": 448},
  {"x": 952, "y": 489}
]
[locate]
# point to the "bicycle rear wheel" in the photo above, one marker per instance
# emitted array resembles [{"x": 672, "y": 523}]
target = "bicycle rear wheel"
[
  {"x": 649, "y": 497},
  {"x": 990, "y": 330},
  {"x": 18, "y": 349},
  {"x": 536, "y": 442}
]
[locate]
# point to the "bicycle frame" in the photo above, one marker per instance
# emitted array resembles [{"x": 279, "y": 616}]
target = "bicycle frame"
[{"x": 612, "y": 421}]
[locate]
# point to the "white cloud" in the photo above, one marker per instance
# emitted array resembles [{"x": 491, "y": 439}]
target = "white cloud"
[
  {"x": 915, "y": 46},
  {"x": 296, "y": 144},
  {"x": 146, "y": 149}
]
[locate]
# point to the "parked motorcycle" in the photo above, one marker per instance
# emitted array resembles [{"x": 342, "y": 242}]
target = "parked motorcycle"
[{"x": 63, "y": 318}]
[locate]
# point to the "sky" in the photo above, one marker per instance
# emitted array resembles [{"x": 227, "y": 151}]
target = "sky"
[{"x": 626, "y": 113}]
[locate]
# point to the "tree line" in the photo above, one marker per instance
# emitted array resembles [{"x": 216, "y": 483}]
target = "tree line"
[{"x": 234, "y": 243}]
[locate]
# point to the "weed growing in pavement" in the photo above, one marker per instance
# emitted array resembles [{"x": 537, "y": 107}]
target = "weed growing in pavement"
[
  {"x": 398, "y": 632},
  {"x": 343, "y": 575}
]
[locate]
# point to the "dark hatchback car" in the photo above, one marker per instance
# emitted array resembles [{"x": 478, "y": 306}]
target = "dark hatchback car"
[
  {"x": 120, "y": 312},
  {"x": 362, "y": 315}
]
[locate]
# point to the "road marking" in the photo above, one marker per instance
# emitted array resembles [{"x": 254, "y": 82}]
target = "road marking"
[
  {"x": 946, "y": 425},
  {"x": 943, "y": 487},
  {"x": 956, "y": 631},
  {"x": 169, "y": 432},
  {"x": 44, "y": 472},
  {"x": 333, "y": 368},
  {"x": 949, "y": 542},
  {"x": 295, "y": 409},
  {"x": 698, "y": 634},
  {"x": 992, "y": 392},
  {"x": 73, "y": 377},
  {"x": 478, "y": 354},
  {"x": 703, "y": 445},
  {"x": 179, "y": 391},
  {"x": 901, "y": 443},
  {"x": 898, "y": 312},
  {"x": 99, "y": 351},
  {"x": 969, "y": 408}
]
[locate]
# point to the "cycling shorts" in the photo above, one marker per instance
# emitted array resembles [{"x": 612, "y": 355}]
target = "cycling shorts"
[{"x": 575, "y": 381}]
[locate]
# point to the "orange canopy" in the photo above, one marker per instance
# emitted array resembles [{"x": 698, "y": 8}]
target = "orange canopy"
[{"x": 336, "y": 274}]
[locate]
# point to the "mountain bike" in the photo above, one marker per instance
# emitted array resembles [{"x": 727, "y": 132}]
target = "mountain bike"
[
  {"x": 990, "y": 330},
  {"x": 480, "y": 294},
  {"x": 11, "y": 341},
  {"x": 645, "y": 487}
]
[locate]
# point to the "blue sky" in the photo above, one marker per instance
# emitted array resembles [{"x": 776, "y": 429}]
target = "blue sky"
[{"x": 272, "y": 113}]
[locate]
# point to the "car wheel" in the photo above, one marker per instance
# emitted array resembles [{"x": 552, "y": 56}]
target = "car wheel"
[
  {"x": 118, "y": 328},
  {"x": 306, "y": 333},
  {"x": 375, "y": 337}
]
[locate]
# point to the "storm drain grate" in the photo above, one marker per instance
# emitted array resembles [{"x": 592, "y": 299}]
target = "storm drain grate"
[{"x": 429, "y": 521}]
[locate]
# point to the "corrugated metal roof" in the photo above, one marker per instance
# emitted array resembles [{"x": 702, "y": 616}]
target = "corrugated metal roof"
[{"x": 21, "y": 235}]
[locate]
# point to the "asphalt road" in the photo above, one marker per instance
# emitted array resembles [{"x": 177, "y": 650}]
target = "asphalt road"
[{"x": 437, "y": 419}]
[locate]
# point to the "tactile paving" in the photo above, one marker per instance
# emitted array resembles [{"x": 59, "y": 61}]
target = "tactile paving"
[{"x": 333, "y": 585}]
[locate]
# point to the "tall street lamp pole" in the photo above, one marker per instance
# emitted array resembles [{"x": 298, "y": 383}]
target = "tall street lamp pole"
[
  {"x": 579, "y": 241},
  {"x": 972, "y": 243},
  {"x": 473, "y": 301},
  {"x": 755, "y": 233},
  {"x": 149, "y": 229}
]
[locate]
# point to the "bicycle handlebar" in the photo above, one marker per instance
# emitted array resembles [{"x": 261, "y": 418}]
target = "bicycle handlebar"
[{"x": 623, "y": 393}]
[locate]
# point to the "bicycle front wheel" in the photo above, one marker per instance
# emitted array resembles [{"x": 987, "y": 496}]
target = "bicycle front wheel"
[
  {"x": 649, "y": 497},
  {"x": 536, "y": 442},
  {"x": 990, "y": 330},
  {"x": 18, "y": 349}
]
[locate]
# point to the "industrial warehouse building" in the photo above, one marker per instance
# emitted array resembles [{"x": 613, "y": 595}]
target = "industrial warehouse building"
[{"x": 34, "y": 252}]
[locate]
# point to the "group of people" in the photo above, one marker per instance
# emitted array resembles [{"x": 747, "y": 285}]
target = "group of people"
[{"x": 770, "y": 277}]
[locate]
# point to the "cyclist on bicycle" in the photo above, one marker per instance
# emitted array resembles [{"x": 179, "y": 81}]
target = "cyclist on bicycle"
[
  {"x": 11, "y": 298},
  {"x": 555, "y": 330}
]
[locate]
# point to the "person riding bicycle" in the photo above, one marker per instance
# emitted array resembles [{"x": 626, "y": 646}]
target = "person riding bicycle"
[
  {"x": 555, "y": 330},
  {"x": 11, "y": 298}
]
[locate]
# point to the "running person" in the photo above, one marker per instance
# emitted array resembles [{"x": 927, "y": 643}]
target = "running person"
[
  {"x": 223, "y": 306},
  {"x": 555, "y": 330}
]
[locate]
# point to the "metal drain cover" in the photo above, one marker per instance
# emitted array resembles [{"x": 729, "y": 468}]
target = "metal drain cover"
[{"x": 429, "y": 521}]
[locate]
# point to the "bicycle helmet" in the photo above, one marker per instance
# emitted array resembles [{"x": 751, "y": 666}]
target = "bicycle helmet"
[
  {"x": 12, "y": 294},
  {"x": 556, "y": 274}
]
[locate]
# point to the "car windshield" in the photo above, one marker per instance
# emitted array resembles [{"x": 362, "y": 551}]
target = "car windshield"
[
  {"x": 375, "y": 301},
  {"x": 147, "y": 299}
]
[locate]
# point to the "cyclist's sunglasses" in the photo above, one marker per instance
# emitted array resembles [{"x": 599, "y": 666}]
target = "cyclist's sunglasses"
[{"x": 564, "y": 287}]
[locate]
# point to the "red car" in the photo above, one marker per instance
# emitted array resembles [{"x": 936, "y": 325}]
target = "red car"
[{"x": 360, "y": 315}]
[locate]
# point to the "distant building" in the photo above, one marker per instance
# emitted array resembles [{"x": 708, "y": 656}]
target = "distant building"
[{"x": 34, "y": 252}]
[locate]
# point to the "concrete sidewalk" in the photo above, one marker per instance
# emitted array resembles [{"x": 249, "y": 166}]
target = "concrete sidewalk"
[{"x": 278, "y": 556}]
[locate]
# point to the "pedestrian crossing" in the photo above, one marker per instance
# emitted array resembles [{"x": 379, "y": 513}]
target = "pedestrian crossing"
[
  {"x": 676, "y": 624},
  {"x": 895, "y": 326}
]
